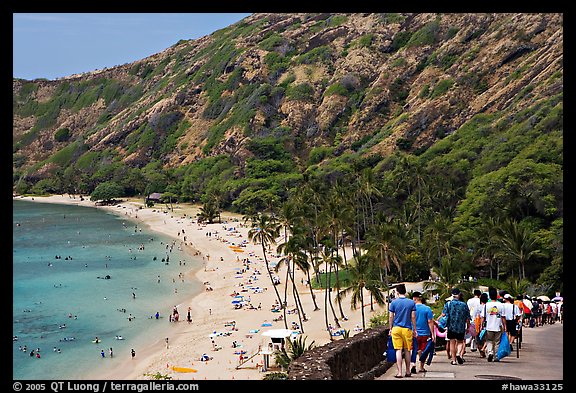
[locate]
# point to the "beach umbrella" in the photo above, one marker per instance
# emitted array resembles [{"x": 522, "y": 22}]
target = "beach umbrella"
[
  {"x": 544, "y": 298},
  {"x": 237, "y": 301},
  {"x": 528, "y": 303}
]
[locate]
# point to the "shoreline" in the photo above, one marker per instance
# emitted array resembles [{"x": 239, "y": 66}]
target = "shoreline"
[{"x": 223, "y": 272}]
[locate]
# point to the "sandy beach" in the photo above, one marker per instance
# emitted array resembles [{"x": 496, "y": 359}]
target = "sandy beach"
[{"x": 216, "y": 323}]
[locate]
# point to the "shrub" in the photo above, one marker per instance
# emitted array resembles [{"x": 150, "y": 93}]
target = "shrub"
[
  {"x": 300, "y": 92},
  {"x": 62, "y": 135},
  {"x": 441, "y": 87},
  {"x": 426, "y": 35}
]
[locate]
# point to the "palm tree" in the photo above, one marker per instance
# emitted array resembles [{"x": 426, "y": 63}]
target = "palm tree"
[
  {"x": 384, "y": 242},
  {"x": 329, "y": 260},
  {"x": 516, "y": 286},
  {"x": 332, "y": 214},
  {"x": 208, "y": 212},
  {"x": 265, "y": 231},
  {"x": 436, "y": 237},
  {"x": 367, "y": 189},
  {"x": 362, "y": 277},
  {"x": 518, "y": 244},
  {"x": 292, "y": 351},
  {"x": 449, "y": 278},
  {"x": 411, "y": 180},
  {"x": 486, "y": 239},
  {"x": 290, "y": 249}
]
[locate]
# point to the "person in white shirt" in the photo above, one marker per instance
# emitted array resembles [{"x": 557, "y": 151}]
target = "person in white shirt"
[
  {"x": 554, "y": 316},
  {"x": 473, "y": 303},
  {"x": 512, "y": 314},
  {"x": 493, "y": 314}
]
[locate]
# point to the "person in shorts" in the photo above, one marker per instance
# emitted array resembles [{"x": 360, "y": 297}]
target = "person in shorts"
[
  {"x": 512, "y": 314},
  {"x": 458, "y": 323},
  {"x": 402, "y": 320},
  {"x": 424, "y": 328}
]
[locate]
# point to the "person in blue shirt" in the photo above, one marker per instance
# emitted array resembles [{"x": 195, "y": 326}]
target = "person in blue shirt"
[
  {"x": 424, "y": 329},
  {"x": 458, "y": 323},
  {"x": 402, "y": 322}
]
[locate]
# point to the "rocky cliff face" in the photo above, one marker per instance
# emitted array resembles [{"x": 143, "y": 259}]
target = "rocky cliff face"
[{"x": 367, "y": 82}]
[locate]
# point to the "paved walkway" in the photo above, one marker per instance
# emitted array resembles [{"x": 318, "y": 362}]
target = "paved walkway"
[{"x": 541, "y": 358}]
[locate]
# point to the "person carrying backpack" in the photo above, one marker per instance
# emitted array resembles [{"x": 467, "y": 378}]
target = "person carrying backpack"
[
  {"x": 493, "y": 314},
  {"x": 458, "y": 316}
]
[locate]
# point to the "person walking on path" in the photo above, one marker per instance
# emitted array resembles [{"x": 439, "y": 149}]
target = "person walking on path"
[
  {"x": 512, "y": 314},
  {"x": 493, "y": 314},
  {"x": 473, "y": 303},
  {"x": 481, "y": 343},
  {"x": 424, "y": 329},
  {"x": 458, "y": 317},
  {"x": 402, "y": 320}
]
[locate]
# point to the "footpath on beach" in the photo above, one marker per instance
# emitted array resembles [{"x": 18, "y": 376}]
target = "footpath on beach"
[{"x": 540, "y": 358}]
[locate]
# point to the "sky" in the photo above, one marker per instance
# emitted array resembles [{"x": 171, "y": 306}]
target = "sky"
[{"x": 54, "y": 45}]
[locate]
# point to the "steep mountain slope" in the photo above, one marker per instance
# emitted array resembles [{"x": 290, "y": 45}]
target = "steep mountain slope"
[{"x": 366, "y": 83}]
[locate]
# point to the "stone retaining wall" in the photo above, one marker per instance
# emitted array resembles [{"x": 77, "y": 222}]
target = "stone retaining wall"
[{"x": 358, "y": 357}]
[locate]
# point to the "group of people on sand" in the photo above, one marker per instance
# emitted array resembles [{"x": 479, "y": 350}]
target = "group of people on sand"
[{"x": 485, "y": 319}]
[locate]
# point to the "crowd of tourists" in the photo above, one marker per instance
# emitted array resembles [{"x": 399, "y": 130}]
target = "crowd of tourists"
[{"x": 489, "y": 322}]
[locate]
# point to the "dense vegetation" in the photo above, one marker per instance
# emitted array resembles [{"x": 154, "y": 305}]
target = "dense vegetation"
[{"x": 411, "y": 166}]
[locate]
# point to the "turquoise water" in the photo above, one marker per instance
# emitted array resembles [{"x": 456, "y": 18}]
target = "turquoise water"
[{"x": 55, "y": 299}]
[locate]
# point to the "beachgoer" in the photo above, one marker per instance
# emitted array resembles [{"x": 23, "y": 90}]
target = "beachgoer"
[
  {"x": 480, "y": 344},
  {"x": 111, "y": 352},
  {"x": 102, "y": 353},
  {"x": 512, "y": 314},
  {"x": 493, "y": 314},
  {"x": 166, "y": 342},
  {"x": 424, "y": 328},
  {"x": 402, "y": 323},
  {"x": 472, "y": 304},
  {"x": 133, "y": 352},
  {"x": 458, "y": 322}
]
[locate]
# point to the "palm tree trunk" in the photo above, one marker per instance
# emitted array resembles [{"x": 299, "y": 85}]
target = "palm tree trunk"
[
  {"x": 362, "y": 305},
  {"x": 270, "y": 275},
  {"x": 286, "y": 296},
  {"x": 344, "y": 249},
  {"x": 328, "y": 284},
  {"x": 299, "y": 307},
  {"x": 312, "y": 291},
  {"x": 326, "y": 290},
  {"x": 337, "y": 271}
]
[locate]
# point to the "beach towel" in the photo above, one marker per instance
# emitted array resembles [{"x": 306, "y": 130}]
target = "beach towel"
[
  {"x": 390, "y": 351},
  {"x": 414, "y": 350},
  {"x": 428, "y": 352}
]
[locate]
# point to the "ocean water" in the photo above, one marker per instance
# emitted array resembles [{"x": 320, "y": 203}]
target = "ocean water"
[{"x": 62, "y": 299}]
